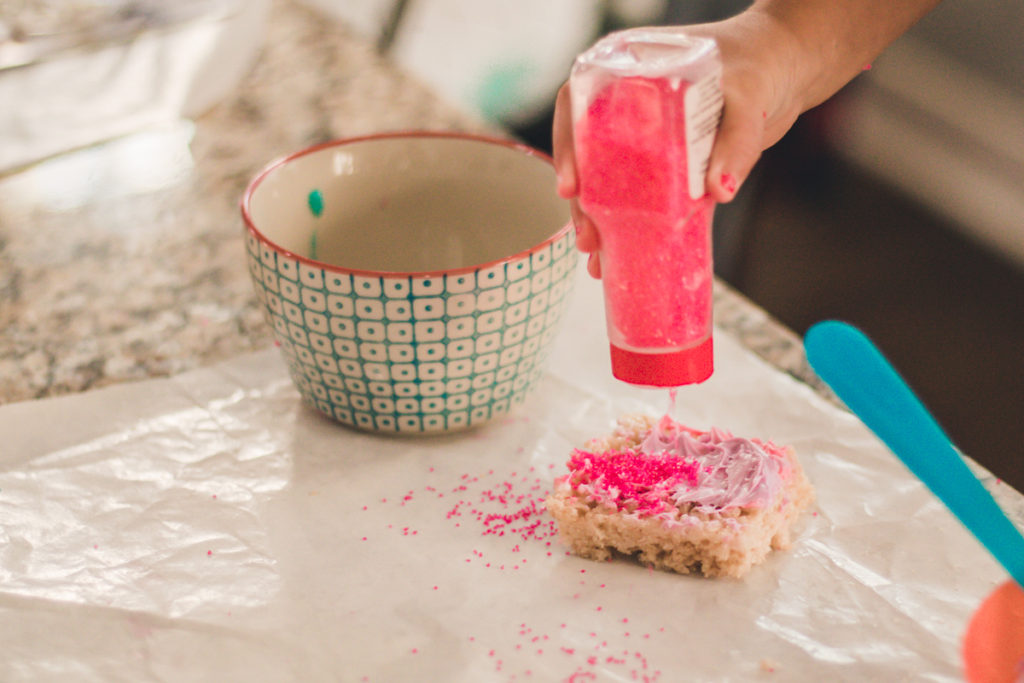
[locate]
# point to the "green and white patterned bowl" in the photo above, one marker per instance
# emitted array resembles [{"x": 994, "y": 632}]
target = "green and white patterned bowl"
[{"x": 414, "y": 281}]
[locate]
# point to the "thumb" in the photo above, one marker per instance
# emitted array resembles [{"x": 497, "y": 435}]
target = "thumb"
[{"x": 737, "y": 148}]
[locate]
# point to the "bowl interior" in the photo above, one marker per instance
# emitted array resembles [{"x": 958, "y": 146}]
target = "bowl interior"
[{"x": 409, "y": 203}]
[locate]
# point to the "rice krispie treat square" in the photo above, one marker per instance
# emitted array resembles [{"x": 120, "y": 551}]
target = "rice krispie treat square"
[{"x": 678, "y": 498}]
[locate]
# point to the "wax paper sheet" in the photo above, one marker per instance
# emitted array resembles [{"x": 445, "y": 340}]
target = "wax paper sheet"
[{"x": 210, "y": 527}]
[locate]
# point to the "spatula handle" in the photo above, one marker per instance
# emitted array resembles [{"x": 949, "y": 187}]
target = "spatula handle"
[{"x": 860, "y": 375}]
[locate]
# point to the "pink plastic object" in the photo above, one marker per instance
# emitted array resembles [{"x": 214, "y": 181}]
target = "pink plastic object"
[
  {"x": 993, "y": 646},
  {"x": 646, "y": 105}
]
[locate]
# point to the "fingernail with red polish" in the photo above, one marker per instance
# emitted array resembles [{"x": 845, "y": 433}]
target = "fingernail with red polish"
[{"x": 728, "y": 182}]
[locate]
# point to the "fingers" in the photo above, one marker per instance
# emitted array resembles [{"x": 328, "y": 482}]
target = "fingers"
[
  {"x": 562, "y": 145},
  {"x": 587, "y": 239},
  {"x": 737, "y": 148}
]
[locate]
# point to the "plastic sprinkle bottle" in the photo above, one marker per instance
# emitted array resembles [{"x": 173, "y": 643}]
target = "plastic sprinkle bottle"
[{"x": 646, "y": 106}]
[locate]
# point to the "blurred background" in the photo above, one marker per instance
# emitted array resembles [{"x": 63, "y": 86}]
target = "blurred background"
[{"x": 898, "y": 205}]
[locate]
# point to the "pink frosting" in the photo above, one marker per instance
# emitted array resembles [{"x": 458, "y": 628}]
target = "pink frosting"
[
  {"x": 680, "y": 466},
  {"x": 733, "y": 472}
]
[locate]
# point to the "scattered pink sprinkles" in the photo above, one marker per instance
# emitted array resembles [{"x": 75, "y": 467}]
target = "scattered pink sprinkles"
[{"x": 512, "y": 509}]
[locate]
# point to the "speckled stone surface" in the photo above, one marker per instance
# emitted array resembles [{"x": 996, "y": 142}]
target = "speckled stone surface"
[{"x": 110, "y": 274}]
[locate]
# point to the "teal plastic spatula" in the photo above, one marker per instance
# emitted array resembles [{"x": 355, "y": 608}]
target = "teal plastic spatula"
[{"x": 860, "y": 375}]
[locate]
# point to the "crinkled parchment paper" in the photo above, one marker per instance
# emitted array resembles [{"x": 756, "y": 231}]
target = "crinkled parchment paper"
[{"x": 210, "y": 527}]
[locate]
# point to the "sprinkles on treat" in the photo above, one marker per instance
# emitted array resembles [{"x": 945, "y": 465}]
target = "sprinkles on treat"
[
  {"x": 635, "y": 482},
  {"x": 674, "y": 466}
]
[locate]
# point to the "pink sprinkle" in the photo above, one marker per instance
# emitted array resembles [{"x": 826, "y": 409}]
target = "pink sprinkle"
[
  {"x": 209, "y": 552},
  {"x": 634, "y": 477},
  {"x": 414, "y": 650}
]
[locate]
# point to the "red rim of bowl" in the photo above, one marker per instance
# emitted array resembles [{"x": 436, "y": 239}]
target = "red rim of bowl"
[{"x": 274, "y": 165}]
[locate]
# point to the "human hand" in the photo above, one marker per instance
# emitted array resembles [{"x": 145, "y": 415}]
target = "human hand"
[{"x": 760, "y": 103}]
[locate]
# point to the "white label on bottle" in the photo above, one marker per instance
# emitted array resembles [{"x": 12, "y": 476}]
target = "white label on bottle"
[{"x": 702, "y": 103}]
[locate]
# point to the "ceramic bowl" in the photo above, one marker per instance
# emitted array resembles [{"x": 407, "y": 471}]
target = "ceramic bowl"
[{"x": 414, "y": 281}]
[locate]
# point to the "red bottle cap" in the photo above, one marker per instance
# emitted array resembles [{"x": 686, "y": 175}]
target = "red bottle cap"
[{"x": 673, "y": 369}]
